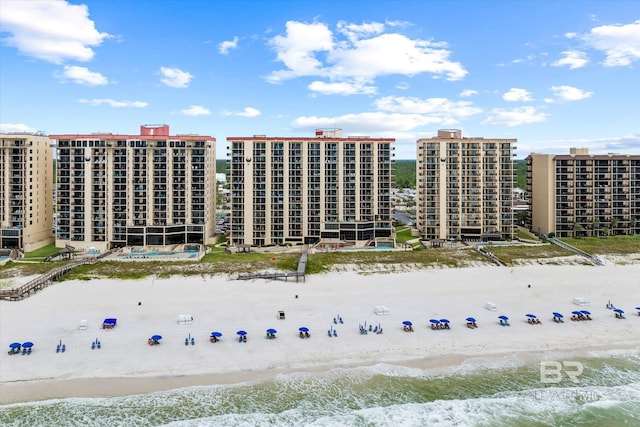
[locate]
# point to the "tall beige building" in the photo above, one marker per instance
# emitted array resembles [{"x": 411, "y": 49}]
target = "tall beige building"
[
  {"x": 464, "y": 187},
  {"x": 151, "y": 189},
  {"x": 26, "y": 191},
  {"x": 582, "y": 194},
  {"x": 327, "y": 189}
]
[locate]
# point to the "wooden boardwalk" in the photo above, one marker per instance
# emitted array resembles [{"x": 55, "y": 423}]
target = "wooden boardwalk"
[
  {"x": 299, "y": 273},
  {"x": 40, "y": 282}
]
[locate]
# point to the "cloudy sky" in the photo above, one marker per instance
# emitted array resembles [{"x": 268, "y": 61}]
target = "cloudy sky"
[{"x": 553, "y": 74}]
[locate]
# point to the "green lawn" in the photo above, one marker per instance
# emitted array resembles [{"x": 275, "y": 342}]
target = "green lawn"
[
  {"x": 615, "y": 245},
  {"x": 43, "y": 252},
  {"x": 403, "y": 234}
]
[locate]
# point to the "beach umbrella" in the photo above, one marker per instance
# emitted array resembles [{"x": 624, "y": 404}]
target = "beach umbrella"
[
  {"x": 156, "y": 337},
  {"x": 577, "y": 313},
  {"x": 434, "y": 321},
  {"x": 27, "y": 344},
  {"x": 444, "y": 320},
  {"x": 637, "y": 308},
  {"x": 503, "y": 317},
  {"x": 556, "y": 314},
  {"x": 15, "y": 345},
  {"x": 407, "y": 323},
  {"x": 216, "y": 334},
  {"x": 531, "y": 316},
  {"x": 617, "y": 310},
  {"x": 470, "y": 319},
  {"x": 241, "y": 333},
  {"x": 303, "y": 329},
  {"x": 272, "y": 331},
  {"x": 585, "y": 312}
]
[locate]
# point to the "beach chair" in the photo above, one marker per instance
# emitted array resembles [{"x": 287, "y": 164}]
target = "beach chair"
[
  {"x": 93, "y": 345},
  {"x": 281, "y": 315},
  {"x": 329, "y": 333},
  {"x": 83, "y": 324},
  {"x": 335, "y": 333},
  {"x": 29, "y": 351},
  {"x": 64, "y": 347},
  {"x": 193, "y": 341},
  {"x": 98, "y": 344}
]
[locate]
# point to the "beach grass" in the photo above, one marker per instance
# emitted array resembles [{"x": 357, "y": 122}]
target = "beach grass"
[{"x": 511, "y": 255}]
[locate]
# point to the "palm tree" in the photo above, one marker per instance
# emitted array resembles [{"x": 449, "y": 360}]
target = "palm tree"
[
  {"x": 596, "y": 225},
  {"x": 614, "y": 224},
  {"x": 577, "y": 228}
]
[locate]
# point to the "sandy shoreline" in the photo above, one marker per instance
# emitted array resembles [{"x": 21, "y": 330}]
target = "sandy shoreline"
[{"x": 125, "y": 364}]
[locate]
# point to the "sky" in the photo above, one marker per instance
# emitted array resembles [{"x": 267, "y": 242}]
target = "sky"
[{"x": 552, "y": 74}]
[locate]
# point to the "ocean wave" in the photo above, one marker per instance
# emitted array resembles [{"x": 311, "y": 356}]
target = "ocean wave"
[{"x": 486, "y": 394}]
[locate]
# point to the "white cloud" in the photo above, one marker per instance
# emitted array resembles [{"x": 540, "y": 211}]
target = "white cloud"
[
  {"x": 357, "y": 52},
  {"x": 620, "y": 43},
  {"x": 356, "y": 31},
  {"x": 364, "y": 123},
  {"x": 82, "y": 76},
  {"x": 516, "y": 94},
  {"x": 227, "y": 45},
  {"x": 628, "y": 144},
  {"x": 549, "y": 100},
  {"x": 570, "y": 35},
  {"x": 249, "y": 112},
  {"x": 342, "y": 88},
  {"x": 175, "y": 77},
  {"x": 403, "y": 86},
  {"x": 441, "y": 108},
  {"x": 515, "y": 117},
  {"x": 467, "y": 93},
  {"x": 527, "y": 58},
  {"x": 53, "y": 31},
  {"x": 16, "y": 128},
  {"x": 297, "y": 50},
  {"x": 570, "y": 93},
  {"x": 113, "y": 103},
  {"x": 573, "y": 59},
  {"x": 195, "y": 110}
]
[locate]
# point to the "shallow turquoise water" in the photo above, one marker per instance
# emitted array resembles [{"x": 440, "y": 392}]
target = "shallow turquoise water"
[{"x": 498, "y": 393}]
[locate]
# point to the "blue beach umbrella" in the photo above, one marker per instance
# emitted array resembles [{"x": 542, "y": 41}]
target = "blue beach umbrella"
[
  {"x": 303, "y": 329},
  {"x": 503, "y": 317},
  {"x": 241, "y": 332},
  {"x": 637, "y": 308},
  {"x": 577, "y": 313},
  {"x": 531, "y": 316},
  {"x": 470, "y": 319},
  {"x": 272, "y": 331},
  {"x": 216, "y": 334},
  {"x": 585, "y": 312},
  {"x": 15, "y": 345},
  {"x": 556, "y": 314},
  {"x": 434, "y": 321},
  {"x": 156, "y": 337},
  {"x": 444, "y": 320},
  {"x": 619, "y": 311},
  {"x": 27, "y": 344},
  {"x": 407, "y": 323}
]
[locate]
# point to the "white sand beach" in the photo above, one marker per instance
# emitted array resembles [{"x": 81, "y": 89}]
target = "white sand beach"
[{"x": 126, "y": 364}]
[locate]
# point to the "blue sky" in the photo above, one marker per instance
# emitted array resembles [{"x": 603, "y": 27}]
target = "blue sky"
[{"x": 553, "y": 74}]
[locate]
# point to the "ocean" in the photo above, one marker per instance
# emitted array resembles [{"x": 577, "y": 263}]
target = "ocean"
[{"x": 483, "y": 392}]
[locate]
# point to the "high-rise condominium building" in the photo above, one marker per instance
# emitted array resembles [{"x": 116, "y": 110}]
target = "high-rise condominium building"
[
  {"x": 148, "y": 189},
  {"x": 307, "y": 190},
  {"x": 581, "y": 194},
  {"x": 26, "y": 191},
  {"x": 464, "y": 187}
]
